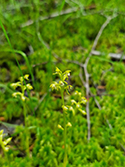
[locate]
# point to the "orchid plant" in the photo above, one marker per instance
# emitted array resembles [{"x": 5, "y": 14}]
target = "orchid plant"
[
  {"x": 22, "y": 84},
  {"x": 63, "y": 86}
]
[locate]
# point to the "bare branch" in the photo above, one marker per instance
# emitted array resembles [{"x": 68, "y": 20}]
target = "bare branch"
[
  {"x": 87, "y": 74},
  {"x": 53, "y": 15},
  {"x": 100, "y": 31},
  {"x": 65, "y": 12},
  {"x": 116, "y": 56},
  {"x": 81, "y": 77},
  {"x": 75, "y": 62}
]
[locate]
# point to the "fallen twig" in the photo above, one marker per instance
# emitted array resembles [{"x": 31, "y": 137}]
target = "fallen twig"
[
  {"x": 65, "y": 12},
  {"x": 100, "y": 31},
  {"x": 75, "y": 62},
  {"x": 87, "y": 74},
  {"x": 53, "y": 15},
  {"x": 116, "y": 56}
]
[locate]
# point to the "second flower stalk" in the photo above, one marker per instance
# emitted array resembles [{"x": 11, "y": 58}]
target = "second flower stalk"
[{"x": 21, "y": 94}]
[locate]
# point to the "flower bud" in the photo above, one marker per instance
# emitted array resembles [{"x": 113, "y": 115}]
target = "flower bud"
[
  {"x": 26, "y": 76},
  {"x": 72, "y": 109},
  {"x": 29, "y": 86},
  {"x": 77, "y": 105},
  {"x": 60, "y": 127},
  {"x": 64, "y": 108},
  {"x": 82, "y": 111},
  {"x": 73, "y": 101},
  {"x": 69, "y": 124},
  {"x": 23, "y": 98},
  {"x": 68, "y": 74},
  {"x": 83, "y": 100},
  {"x": 61, "y": 83},
  {"x": 15, "y": 85},
  {"x": 21, "y": 79}
]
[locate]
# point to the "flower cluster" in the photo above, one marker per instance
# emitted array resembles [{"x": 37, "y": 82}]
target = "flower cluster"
[
  {"x": 62, "y": 84},
  {"x": 23, "y": 87},
  {"x": 4, "y": 143},
  {"x": 76, "y": 105},
  {"x": 67, "y": 125}
]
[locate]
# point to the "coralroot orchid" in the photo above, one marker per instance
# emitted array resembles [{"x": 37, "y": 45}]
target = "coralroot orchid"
[{"x": 63, "y": 86}]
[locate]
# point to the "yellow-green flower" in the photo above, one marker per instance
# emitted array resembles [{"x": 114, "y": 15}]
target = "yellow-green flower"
[
  {"x": 4, "y": 143},
  {"x": 60, "y": 127},
  {"x": 22, "y": 86},
  {"x": 26, "y": 76},
  {"x": 29, "y": 86},
  {"x": 69, "y": 124}
]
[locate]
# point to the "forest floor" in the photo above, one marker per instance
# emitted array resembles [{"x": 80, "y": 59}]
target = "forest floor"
[{"x": 87, "y": 38}]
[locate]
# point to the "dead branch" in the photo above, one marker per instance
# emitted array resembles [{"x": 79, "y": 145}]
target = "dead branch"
[
  {"x": 100, "y": 31},
  {"x": 53, "y": 15},
  {"x": 65, "y": 12},
  {"x": 116, "y": 56},
  {"x": 87, "y": 74},
  {"x": 75, "y": 62}
]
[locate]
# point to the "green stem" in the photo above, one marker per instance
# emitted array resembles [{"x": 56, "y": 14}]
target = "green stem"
[
  {"x": 25, "y": 122},
  {"x": 64, "y": 117},
  {"x": 26, "y": 131},
  {"x": 6, "y": 156}
]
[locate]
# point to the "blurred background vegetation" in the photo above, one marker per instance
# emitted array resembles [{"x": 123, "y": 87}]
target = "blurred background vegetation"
[{"x": 35, "y": 37}]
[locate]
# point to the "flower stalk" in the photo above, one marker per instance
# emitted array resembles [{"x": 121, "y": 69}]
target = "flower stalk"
[
  {"x": 62, "y": 86},
  {"x": 64, "y": 118},
  {"x": 23, "y": 86}
]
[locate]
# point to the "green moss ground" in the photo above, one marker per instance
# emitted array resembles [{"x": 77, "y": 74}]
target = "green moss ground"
[{"x": 61, "y": 41}]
